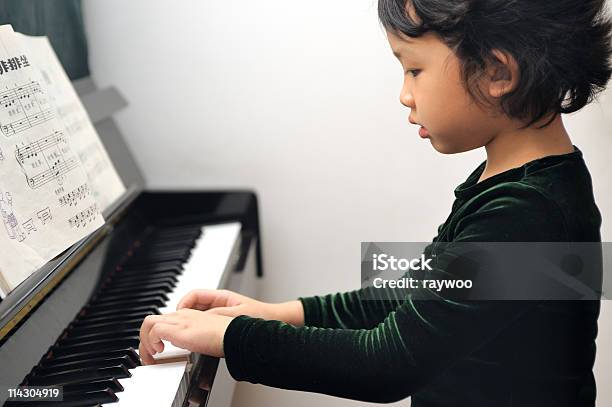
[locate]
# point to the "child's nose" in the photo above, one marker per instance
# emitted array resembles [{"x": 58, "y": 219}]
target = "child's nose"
[{"x": 406, "y": 98}]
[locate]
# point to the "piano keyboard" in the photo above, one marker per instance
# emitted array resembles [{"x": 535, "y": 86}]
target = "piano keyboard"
[{"x": 95, "y": 359}]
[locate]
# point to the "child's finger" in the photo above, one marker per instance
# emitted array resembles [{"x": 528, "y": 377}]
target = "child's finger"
[
  {"x": 145, "y": 357},
  {"x": 161, "y": 331},
  {"x": 201, "y": 299},
  {"x": 147, "y": 325}
]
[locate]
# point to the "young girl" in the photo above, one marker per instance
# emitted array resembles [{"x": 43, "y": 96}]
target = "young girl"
[{"x": 493, "y": 74}]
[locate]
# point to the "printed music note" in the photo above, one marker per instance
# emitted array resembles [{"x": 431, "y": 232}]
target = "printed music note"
[
  {"x": 58, "y": 160},
  {"x": 75, "y": 196},
  {"x": 24, "y": 107},
  {"x": 84, "y": 217}
]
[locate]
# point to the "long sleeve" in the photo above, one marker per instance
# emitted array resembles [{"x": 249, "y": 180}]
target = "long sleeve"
[
  {"x": 413, "y": 344},
  {"x": 348, "y": 310}
]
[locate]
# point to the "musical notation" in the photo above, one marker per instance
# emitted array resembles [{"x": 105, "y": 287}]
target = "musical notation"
[
  {"x": 22, "y": 108},
  {"x": 75, "y": 196},
  {"x": 84, "y": 217},
  {"x": 46, "y": 159},
  {"x": 28, "y": 122}
]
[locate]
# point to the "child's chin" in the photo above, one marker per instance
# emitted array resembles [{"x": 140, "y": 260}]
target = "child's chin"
[
  {"x": 446, "y": 148},
  {"x": 443, "y": 148}
]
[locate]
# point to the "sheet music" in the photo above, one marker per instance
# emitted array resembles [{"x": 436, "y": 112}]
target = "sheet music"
[
  {"x": 46, "y": 203},
  {"x": 104, "y": 181}
]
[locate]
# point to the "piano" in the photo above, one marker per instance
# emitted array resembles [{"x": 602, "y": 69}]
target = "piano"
[{"x": 74, "y": 323}]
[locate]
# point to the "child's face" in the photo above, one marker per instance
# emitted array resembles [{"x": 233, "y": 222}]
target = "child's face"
[{"x": 438, "y": 101}]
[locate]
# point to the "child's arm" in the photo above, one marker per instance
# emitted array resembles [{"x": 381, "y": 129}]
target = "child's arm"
[{"x": 345, "y": 310}]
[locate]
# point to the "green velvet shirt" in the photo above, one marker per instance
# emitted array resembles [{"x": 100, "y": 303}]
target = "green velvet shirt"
[{"x": 445, "y": 353}]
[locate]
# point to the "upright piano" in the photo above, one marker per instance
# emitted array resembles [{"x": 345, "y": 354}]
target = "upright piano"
[{"x": 74, "y": 323}]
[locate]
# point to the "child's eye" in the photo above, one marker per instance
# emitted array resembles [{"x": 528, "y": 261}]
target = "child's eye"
[{"x": 414, "y": 72}]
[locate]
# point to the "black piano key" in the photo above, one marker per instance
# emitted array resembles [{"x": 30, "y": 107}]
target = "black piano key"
[
  {"x": 151, "y": 266},
  {"x": 146, "y": 260},
  {"x": 150, "y": 277},
  {"x": 166, "y": 245},
  {"x": 163, "y": 284},
  {"x": 92, "y": 363},
  {"x": 174, "y": 265},
  {"x": 53, "y": 358},
  {"x": 80, "y": 375},
  {"x": 134, "y": 281},
  {"x": 105, "y": 299},
  {"x": 144, "y": 277},
  {"x": 164, "y": 288},
  {"x": 129, "y": 281},
  {"x": 127, "y": 305},
  {"x": 114, "y": 326},
  {"x": 87, "y": 316},
  {"x": 116, "y": 344},
  {"x": 87, "y": 386},
  {"x": 106, "y": 320},
  {"x": 175, "y": 252},
  {"x": 159, "y": 255},
  {"x": 152, "y": 299},
  {"x": 122, "y": 275},
  {"x": 76, "y": 339}
]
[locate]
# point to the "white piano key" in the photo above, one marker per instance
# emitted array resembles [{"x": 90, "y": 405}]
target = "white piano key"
[
  {"x": 206, "y": 263},
  {"x": 170, "y": 352},
  {"x": 154, "y": 385},
  {"x": 204, "y": 269}
]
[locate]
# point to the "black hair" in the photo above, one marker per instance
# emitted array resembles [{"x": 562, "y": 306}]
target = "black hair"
[{"x": 562, "y": 47}]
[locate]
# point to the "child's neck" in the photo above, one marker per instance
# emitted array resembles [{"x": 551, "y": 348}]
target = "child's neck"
[{"x": 513, "y": 148}]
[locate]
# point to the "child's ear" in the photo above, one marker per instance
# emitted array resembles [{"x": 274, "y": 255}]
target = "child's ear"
[{"x": 502, "y": 73}]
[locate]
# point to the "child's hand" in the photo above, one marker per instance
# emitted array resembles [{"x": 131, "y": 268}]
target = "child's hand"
[
  {"x": 228, "y": 303},
  {"x": 231, "y": 304},
  {"x": 189, "y": 329}
]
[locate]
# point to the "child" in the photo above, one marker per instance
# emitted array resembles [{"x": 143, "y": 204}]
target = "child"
[{"x": 493, "y": 74}]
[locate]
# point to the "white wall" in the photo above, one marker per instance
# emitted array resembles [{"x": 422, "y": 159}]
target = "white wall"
[{"x": 298, "y": 100}]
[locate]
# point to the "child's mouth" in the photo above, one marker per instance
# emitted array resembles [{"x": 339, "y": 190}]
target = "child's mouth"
[{"x": 423, "y": 132}]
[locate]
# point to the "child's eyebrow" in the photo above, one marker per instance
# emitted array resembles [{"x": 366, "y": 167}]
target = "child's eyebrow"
[{"x": 398, "y": 54}]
